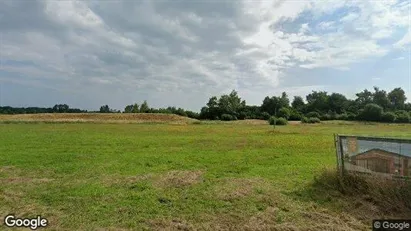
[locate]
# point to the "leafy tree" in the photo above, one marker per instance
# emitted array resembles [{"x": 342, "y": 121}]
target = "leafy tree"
[
  {"x": 61, "y": 108},
  {"x": 403, "y": 116},
  {"x": 284, "y": 100},
  {"x": 337, "y": 103},
  {"x": 298, "y": 104},
  {"x": 388, "y": 117},
  {"x": 318, "y": 101},
  {"x": 273, "y": 104},
  {"x": 397, "y": 99},
  {"x": 284, "y": 113},
  {"x": 144, "y": 108},
  {"x": 265, "y": 115},
  {"x": 105, "y": 109},
  {"x": 205, "y": 113},
  {"x": 380, "y": 97},
  {"x": 230, "y": 104},
  {"x": 135, "y": 108},
  {"x": 128, "y": 109},
  {"x": 295, "y": 115},
  {"x": 212, "y": 108},
  {"x": 363, "y": 98},
  {"x": 372, "y": 112}
]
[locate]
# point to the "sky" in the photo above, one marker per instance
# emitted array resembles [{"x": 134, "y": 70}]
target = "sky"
[{"x": 181, "y": 52}]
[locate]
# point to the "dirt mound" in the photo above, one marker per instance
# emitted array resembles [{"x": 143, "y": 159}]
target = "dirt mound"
[{"x": 98, "y": 117}]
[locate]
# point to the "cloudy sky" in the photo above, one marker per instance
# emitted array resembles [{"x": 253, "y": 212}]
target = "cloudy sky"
[{"x": 181, "y": 52}]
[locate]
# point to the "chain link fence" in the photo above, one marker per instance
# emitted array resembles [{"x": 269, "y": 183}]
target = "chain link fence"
[{"x": 373, "y": 155}]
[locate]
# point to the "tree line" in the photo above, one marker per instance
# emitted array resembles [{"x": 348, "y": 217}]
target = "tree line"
[
  {"x": 58, "y": 108},
  {"x": 374, "y": 105}
]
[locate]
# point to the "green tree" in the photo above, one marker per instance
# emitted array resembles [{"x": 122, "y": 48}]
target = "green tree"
[
  {"x": 388, "y": 117},
  {"x": 135, "y": 108},
  {"x": 318, "y": 101},
  {"x": 61, "y": 108},
  {"x": 397, "y": 99},
  {"x": 212, "y": 108},
  {"x": 298, "y": 104},
  {"x": 128, "y": 109},
  {"x": 337, "y": 103},
  {"x": 230, "y": 104},
  {"x": 372, "y": 112},
  {"x": 105, "y": 109},
  {"x": 402, "y": 116},
  {"x": 380, "y": 97},
  {"x": 273, "y": 104},
  {"x": 284, "y": 113},
  {"x": 363, "y": 98},
  {"x": 144, "y": 108}
]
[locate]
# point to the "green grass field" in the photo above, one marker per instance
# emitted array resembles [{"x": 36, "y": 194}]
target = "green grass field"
[{"x": 192, "y": 177}]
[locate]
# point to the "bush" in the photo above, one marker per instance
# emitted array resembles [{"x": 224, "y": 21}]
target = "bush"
[
  {"x": 295, "y": 116},
  {"x": 277, "y": 121},
  {"x": 403, "y": 117},
  {"x": 282, "y": 121},
  {"x": 372, "y": 112},
  {"x": 304, "y": 120},
  {"x": 314, "y": 120},
  {"x": 284, "y": 113},
  {"x": 388, "y": 117},
  {"x": 242, "y": 116},
  {"x": 311, "y": 120},
  {"x": 343, "y": 116},
  {"x": 313, "y": 114},
  {"x": 226, "y": 117},
  {"x": 265, "y": 116},
  {"x": 351, "y": 116}
]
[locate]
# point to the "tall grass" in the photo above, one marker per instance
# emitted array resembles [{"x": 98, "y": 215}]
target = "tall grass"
[{"x": 390, "y": 194}]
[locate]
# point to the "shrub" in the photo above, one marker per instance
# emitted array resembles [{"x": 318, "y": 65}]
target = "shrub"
[
  {"x": 351, "y": 116},
  {"x": 343, "y": 116},
  {"x": 311, "y": 120},
  {"x": 304, "y": 120},
  {"x": 242, "y": 116},
  {"x": 295, "y": 116},
  {"x": 313, "y": 114},
  {"x": 388, "y": 117},
  {"x": 372, "y": 112},
  {"x": 284, "y": 113},
  {"x": 272, "y": 120},
  {"x": 314, "y": 120},
  {"x": 226, "y": 117},
  {"x": 325, "y": 117},
  {"x": 331, "y": 115},
  {"x": 265, "y": 116},
  {"x": 282, "y": 121},
  {"x": 403, "y": 117},
  {"x": 277, "y": 121}
]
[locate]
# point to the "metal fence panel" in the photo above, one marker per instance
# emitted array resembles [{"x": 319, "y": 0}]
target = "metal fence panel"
[{"x": 382, "y": 156}]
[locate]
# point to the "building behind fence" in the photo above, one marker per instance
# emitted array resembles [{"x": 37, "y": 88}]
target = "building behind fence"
[{"x": 379, "y": 156}]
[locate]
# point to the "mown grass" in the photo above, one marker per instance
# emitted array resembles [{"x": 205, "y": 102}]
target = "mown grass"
[{"x": 228, "y": 176}]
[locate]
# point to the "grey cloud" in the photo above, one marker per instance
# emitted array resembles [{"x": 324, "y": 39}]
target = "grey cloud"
[{"x": 137, "y": 49}]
